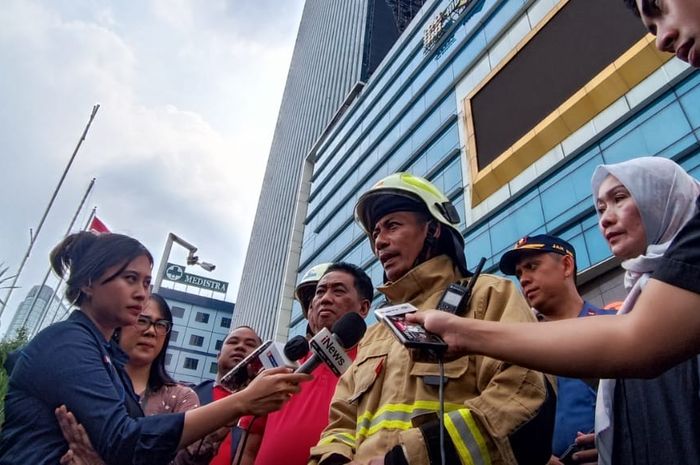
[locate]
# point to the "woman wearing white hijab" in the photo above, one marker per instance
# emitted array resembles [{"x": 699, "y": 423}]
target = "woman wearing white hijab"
[
  {"x": 660, "y": 333},
  {"x": 642, "y": 204}
]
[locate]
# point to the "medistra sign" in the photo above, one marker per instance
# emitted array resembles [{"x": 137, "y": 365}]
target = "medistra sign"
[{"x": 176, "y": 273}]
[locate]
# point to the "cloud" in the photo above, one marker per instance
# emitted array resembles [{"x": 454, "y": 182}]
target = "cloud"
[{"x": 189, "y": 94}]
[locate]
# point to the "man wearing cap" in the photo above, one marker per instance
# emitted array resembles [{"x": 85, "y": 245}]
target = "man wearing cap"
[
  {"x": 546, "y": 269},
  {"x": 385, "y": 408},
  {"x": 328, "y": 292}
]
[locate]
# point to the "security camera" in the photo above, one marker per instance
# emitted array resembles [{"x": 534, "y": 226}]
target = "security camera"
[{"x": 207, "y": 266}]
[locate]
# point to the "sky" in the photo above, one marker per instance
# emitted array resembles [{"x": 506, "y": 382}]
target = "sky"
[{"x": 189, "y": 92}]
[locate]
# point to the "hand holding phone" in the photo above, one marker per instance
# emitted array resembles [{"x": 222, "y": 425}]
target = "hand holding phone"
[
  {"x": 239, "y": 376},
  {"x": 585, "y": 444},
  {"x": 411, "y": 335}
]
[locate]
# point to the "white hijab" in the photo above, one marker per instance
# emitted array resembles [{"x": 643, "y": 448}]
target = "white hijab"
[{"x": 665, "y": 196}]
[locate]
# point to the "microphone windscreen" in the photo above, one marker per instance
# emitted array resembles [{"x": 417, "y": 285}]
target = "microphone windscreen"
[
  {"x": 349, "y": 329},
  {"x": 296, "y": 348}
]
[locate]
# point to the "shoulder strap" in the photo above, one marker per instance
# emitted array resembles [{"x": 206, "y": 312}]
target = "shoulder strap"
[{"x": 204, "y": 392}]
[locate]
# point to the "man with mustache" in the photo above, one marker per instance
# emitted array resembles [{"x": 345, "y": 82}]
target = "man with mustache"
[{"x": 385, "y": 408}]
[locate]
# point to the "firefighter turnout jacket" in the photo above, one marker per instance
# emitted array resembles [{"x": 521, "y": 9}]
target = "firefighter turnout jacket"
[{"x": 495, "y": 413}]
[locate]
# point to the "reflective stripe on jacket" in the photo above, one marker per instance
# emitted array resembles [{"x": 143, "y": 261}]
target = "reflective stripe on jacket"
[{"x": 383, "y": 398}]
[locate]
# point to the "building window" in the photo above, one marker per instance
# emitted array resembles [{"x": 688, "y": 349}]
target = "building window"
[
  {"x": 173, "y": 335},
  {"x": 196, "y": 340},
  {"x": 225, "y": 322},
  {"x": 190, "y": 363},
  {"x": 168, "y": 358},
  {"x": 201, "y": 317},
  {"x": 218, "y": 345},
  {"x": 556, "y": 77},
  {"x": 213, "y": 368},
  {"x": 178, "y": 312}
]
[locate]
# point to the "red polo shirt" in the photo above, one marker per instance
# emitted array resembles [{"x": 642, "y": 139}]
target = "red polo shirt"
[
  {"x": 223, "y": 457},
  {"x": 291, "y": 432}
]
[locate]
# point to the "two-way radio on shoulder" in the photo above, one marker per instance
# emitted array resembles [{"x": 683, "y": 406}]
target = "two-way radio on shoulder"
[
  {"x": 413, "y": 335},
  {"x": 456, "y": 297}
]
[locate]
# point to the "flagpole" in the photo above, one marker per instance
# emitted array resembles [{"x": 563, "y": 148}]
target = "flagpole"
[
  {"x": 46, "y": 212},
  {"x": 60, "y": 281},
  {"x": 45, "y": 310}
]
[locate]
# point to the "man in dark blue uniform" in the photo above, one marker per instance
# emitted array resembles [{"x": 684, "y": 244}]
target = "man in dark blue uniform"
[{"x": 546, "y": 269}]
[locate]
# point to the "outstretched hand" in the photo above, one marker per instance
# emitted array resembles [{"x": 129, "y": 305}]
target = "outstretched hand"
[
  {"x": 446, "y": 325},
  {"x": 80, "y": 450},
  {"x": 271, "y": 389}
]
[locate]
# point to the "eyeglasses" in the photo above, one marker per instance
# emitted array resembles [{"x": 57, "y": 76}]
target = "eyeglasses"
[{"x": 162, "y": 327}]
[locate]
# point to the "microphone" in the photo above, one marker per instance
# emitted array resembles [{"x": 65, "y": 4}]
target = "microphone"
[
  {"x": 275, "y": 356},
  {"x": 270, "y": 354},
  {"x": 296, "y": 348},
  {"x": 329, "y": 348}
]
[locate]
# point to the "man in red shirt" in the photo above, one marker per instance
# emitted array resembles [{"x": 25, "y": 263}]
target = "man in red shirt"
[
  {"x": 290, "y": 433},
  {"x": 240, "y": 342}
]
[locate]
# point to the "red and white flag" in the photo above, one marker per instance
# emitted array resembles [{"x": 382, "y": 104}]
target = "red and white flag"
[{"x": 98, "y": 226}]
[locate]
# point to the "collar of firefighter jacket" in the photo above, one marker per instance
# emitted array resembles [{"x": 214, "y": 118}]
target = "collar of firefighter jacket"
[{"x": 419, "y": 283}]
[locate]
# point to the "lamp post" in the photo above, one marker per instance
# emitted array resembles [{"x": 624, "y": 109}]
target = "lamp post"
[{"x": 192, "y": 259}]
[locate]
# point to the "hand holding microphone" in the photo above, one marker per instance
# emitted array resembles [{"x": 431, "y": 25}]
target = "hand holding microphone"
[
  {"x": 268, "y": 355},
  {"x": 269, "y": 390}
]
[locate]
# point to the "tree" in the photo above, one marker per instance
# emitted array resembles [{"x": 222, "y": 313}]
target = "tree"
[
  {"x": 4, "y": 280},
  {"x": 6, "y": 347}
]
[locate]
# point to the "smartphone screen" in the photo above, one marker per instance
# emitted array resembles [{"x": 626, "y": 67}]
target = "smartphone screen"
[
  {"x": 240, "y": 375},
  {"x": 412, "y": 332}
]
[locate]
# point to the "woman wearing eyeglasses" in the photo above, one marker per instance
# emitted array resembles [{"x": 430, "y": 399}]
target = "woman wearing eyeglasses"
[{"x": 146, "y": 343}]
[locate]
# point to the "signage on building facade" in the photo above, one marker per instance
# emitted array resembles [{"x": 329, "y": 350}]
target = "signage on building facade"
[
  {"x": 176, "y": 273},
  {"x": 442, "y": 21}
]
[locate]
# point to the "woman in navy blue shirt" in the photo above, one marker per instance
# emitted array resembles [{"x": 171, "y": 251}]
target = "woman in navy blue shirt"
[{"x": 75, "y": 363}]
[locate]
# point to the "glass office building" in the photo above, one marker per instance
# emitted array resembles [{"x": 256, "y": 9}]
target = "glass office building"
[
  {"x": 339, "y": 45},
  {"x": 38, "y": 310},
  {"x": 200, "y": 326},
  {"x": 507, "y": 106}
]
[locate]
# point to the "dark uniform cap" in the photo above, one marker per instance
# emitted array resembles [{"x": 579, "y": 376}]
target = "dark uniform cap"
[{"x": 542, "y": 243}]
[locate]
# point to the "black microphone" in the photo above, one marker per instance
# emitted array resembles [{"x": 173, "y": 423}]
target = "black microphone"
[
  {"x": 296, "y": 348},
  {"x": 329, "y": 348}
]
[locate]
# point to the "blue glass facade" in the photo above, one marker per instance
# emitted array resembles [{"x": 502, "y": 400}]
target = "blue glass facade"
[
  {"x": 407, "y": 119},
  {"x": 338, "y": 45},
  {"x": 561, "y": 203}
]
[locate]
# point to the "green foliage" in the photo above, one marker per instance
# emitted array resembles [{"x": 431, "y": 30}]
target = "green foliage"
[{"x": 7, "y": 346}]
